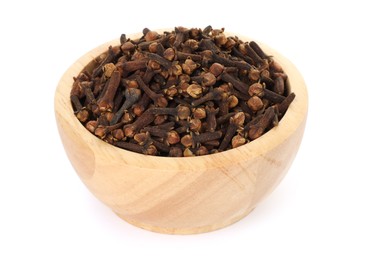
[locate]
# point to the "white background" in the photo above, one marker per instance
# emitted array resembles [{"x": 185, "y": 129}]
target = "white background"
[{"x": 317, "y": 212}]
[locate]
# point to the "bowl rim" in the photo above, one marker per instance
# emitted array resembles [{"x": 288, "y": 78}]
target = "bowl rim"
[{"x": 293, "y": 119}]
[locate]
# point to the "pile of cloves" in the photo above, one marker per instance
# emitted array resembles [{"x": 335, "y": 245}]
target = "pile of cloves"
[{"x": 181, "y": 93}]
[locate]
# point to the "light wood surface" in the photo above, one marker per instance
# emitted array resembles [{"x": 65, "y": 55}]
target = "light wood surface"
[{"x": 182, "y": 195}]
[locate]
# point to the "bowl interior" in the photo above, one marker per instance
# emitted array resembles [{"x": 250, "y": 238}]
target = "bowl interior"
[{"x": 290, "y": 122}]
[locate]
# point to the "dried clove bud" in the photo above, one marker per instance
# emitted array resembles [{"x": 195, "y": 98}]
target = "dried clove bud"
[
  {"x": 175, "y": 152},
  {"x": 255, "y": 103},
  {"x": 158, "y": 99},
  {"x": 187, "y": 141},
  {"x": 237, "y": 141},
  {"x": 205, "y": 137},
  {"x": 235, "y": 122},
  {"x": 216, "y": 69},
  {"x": 209, "y": 79},
  {"x": 127, "y": 47},
  {"x": 232, "y": 101},
  {"x": 279, "y": 85},
  {"x": 194, "y": 90},
  {"x": 259, "y": 128},
  {"x": 181, "y": 112},
  {"x": 239, "y": 85},
  {"x": 199, "y": 113},
  {"x": 256, "y": 89},
  {"x": 118, "y": 134},
  {"x": 173, "y": 137},
  {"x": 151, "y": 36},
  {"x": 169, "y": 54},
  {"x": 91, "y": 125},
  {"x": 83, "y": 115},
  {"x": 283, "y": 106},
  {"x": 211, "y": 120},
  {"x": 202, "y": 150},
  {"x": 186, "y": 92},
  {"x": 105, "y": 103},
  {"x": 132, "y": 95},
  {"x": 145, "y": 119},
  {"x": 108, "y": 69},
  {"x": 216, "y": 94},
  {"x": 195, "y": 125},
  {"x": 189, "y": 66}
]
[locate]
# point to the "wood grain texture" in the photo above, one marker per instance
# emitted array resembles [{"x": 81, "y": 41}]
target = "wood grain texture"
[{"x": 182, "y": 195}]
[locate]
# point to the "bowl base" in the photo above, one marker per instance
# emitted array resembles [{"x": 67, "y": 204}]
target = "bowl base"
[{"x": 185, "y": 231}]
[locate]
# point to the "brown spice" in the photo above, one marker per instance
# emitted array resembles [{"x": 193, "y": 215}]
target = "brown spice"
[{"x": 188, "y": 92}]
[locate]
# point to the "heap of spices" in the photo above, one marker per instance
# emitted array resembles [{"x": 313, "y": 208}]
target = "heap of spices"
[{"x": 187, "y": 92}]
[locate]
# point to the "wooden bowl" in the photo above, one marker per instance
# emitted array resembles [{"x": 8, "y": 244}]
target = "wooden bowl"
[{"x": 182, "y": 195}]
